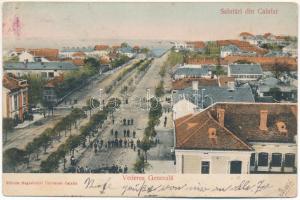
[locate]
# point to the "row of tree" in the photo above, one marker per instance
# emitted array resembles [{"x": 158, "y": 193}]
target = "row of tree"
[
  {"x": 43, "y": 141},
  {"x": 88, "y": 130},
  {"x": 154, "y": 115}
]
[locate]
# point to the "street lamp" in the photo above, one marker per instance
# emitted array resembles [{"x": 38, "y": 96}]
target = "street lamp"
[
  {"x": 202, "y": 97},
  {"x": 211, "y": 99}
]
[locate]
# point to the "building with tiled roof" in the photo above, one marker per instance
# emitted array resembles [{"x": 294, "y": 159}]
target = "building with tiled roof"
[
  {"x": 14, "y": 97},
  {"x": 266, "y": 63},
  {"x": 49, "y": 54},
  {"x": 101, "y": 47},
  {"x": 237, "y": 138},
  {"x": 187, "y": 82},
  {"x": 43, "y": 69},
  {"x": 245, "y": 72},
  {"x": 49, "y": 94},
  {"x": 243, "y": 45},
  {"x": 192, "y": 72}
]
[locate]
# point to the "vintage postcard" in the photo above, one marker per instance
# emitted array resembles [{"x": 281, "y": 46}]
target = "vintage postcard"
[{"x": 136, "y": 99}]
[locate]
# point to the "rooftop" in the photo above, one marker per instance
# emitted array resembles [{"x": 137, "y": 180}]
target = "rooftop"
[
  {"x": 245, "y": 68},
  {"x": 213, "y": 94},
  {"x": 40, "y": 66},
  {"x": 12, "y": 83},
  {"x": 241, "y": 126}
]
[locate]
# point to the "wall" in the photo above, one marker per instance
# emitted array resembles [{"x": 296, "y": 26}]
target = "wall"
[{"x": 189, "y": 161}]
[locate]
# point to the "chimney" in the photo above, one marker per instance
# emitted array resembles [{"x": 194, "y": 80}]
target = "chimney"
[
  {"x": 263, "y": 120},
  {"x": 221, "y": 116},
  {"x": 212, "y": 133},
  {"x": 195, "y": 85}
]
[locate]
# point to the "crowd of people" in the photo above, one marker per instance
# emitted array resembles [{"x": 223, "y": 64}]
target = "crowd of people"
[{"x": 106, "y": 169}]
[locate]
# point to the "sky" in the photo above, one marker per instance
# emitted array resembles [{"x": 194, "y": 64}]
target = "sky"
[{"x": 52, "y": 22}]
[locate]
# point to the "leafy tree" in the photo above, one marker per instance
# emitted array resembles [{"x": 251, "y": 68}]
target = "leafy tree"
[
  {"x": 145, "y": 146},
  {"x": 73, "y": 142},
  {"x": 219, "y": 70},
  {"x": 35, "y": 89},
  {"x": 8, "y": 125},
  {"x": 279, "y": 69},
  {"x": 124, "y": 45},
  {"x": 93, "y": 63},
  {"x": 159, "y": 90},
  {"x": 140, "y": 165},
  {"x": 11, "y": 158}
]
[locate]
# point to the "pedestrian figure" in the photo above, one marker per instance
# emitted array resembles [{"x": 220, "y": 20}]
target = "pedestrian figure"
[
  {"x": 138, "y": 142},
  {"x": 72, "y": 160},
  {"x": 120, "y": 142},
  {"x": 125, "y": 143},
  {"x": 133, "y": 134},
  {"x": 134, "y": 147},
  {"x": 112, "y": 132},
  {"x": 125, "y": 169},
  {"x": 116, "y": 142},
  {"x": 116, "y": 134},
  {"x": 95, "y": 147},
  {"x": 131, "y": 121},
  {"x": 165, "y": 124},
  {"x": 139, "y": 152},
  {"x": 101, "y": 143},
  {"x": 128, "y": 133},
  {"x": 124, "y": 133},
  {"x": 131, "y": 144},
  {"x": 120, "y": 170},
  {"x": 78, "y": 169},
  {"x": 124, "y": 122},
  {"x": 113, "y": 121}
]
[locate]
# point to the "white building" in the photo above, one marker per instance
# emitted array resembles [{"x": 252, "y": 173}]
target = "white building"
[
  {"x": 28, "y": 57},
  {"x": 245, "y": 72},
  {"x": 237, "y": 138}
]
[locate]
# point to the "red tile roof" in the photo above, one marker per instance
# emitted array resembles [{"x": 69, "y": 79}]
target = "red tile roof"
[
  {"x": 101, "y": 47},
  {"x": 266, "y": 62},
  {"x": 12, "y": 83},
  {"x": 50, "y": 54},
  {"x": 19, "y": 50},
  {"x": 187, "y": 82},
  {"x": 243, "y": 45},
  {"x": 197, "y": 44},
  {"x": 79, "y": 54},
  {"x": 223, "y": 80},
  {"x": 245, "y": 34},
  {"x": 192, "y": 133},
  {"x": 241, "y": 125},
  {"x": 243, "y": 119}
]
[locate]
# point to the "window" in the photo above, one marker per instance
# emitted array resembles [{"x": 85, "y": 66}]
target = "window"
[
  {"x": 51, "y": 74},
  {"x": 205, "y": 167},
  {"x": 289, "y": 160},
  {"x": 236, "y": 167},
  {"x": 44, "y": 74},
  {"x": 276, "y": 160},
  {"x": 24, "y": 98},
  {"x": 15, "y": 102},
  {"x": 263, "y": 159},
  {"x": 252, "y": 159}
]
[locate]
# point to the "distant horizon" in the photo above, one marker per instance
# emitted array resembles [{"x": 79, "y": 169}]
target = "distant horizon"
[{"x": 27, "y": 24}]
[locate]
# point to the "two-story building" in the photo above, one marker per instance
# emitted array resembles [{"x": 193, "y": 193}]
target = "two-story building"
[{"x": 237, "y": 138}]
